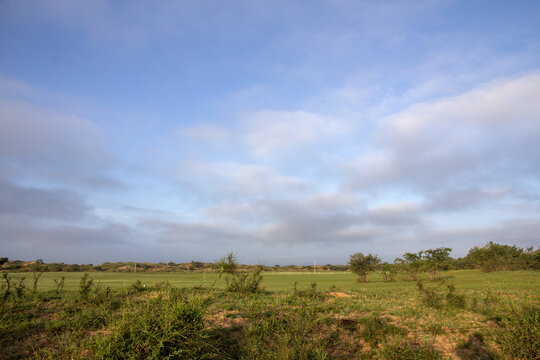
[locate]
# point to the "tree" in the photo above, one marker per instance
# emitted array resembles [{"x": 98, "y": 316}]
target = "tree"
[
  {"x": 493, "y": 257},
  {"x": 411, "y": 264},
  {"x": 432, "y": 260},
  {"x": 389, "y": 272},
  {"x": 437, "y": 259},
  {"x": 532, "y": 258},
  {"x": 362, "y": 265}
]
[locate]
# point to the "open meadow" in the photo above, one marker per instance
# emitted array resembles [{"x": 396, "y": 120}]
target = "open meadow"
[
  {"x": 463, "y": 314},
  {"x": 519, "y": 283}
]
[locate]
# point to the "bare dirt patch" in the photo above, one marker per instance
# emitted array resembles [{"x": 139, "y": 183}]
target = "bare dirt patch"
[
  {"x": 227, "y": 319},
  {"x": 340, "y": 294},
  {"x": 99, "y": 332}
]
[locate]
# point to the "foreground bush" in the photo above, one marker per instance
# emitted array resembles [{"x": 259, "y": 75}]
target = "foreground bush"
[
  {"x": 519, "y": 332},
  {"x": 161, "y": 328}
]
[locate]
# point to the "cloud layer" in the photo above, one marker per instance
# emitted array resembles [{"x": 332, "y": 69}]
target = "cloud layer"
[{"x": 184, "y": 130}]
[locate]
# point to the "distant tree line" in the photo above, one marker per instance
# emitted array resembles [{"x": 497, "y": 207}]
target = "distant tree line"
[
  {"x": 490, "y": 257},
  {"x": 171, "y": 266}
]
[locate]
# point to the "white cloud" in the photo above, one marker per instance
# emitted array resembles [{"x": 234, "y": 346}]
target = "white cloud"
[
  {"x": 196, "y": 232},
  {"x": 53, "y": 146},
  {"x": 271, "y": 132},
  {"x": 223, "y": 180},
  {"x": 513, "y": 102},
  {"x": 395, "y": 214},
  {"x": 318, "y": 218},
  {"x": 486, "y": 136},
  {"x": 459, "y": 199}
]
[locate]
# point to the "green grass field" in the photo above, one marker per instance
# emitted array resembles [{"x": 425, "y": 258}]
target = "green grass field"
[{"x": 511, "y": 282}]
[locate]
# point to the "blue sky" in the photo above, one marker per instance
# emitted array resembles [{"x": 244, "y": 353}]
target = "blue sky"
[{"x": 284, "y": 131}]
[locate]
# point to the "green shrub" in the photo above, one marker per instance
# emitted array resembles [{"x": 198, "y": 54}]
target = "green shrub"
[
  {"x": 226, "y": 265},
  {"x": 245, "y": 282},
  {"x": 238, "y": 282},
  {"x": 85, "y": 285},
  {"x": 137, "y": 286},
  {"x": 518, "y": 333},
  {"x": 59, "y": 284},
  {"x": 311, "y": 292},
  {"x": 389, "y": 272},
  {"x": 6, "y": 287},
  {"x": 160, "y": 328},
  {"x": 101, "y": 293},
  {"x": 431, "y": 295},
  {"x": 453, "y": 299},
  {"x": 20, "y": 288},
  {"x": 35, "y": 279}
]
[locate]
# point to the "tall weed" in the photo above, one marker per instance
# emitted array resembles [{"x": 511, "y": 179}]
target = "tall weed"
[
  {"x": 85, "y": 285},
  {"x": 59, "y": 284},
  {"x": 20, "y": 288},
  {"x": 6, "y": 288},
  {"x": 35, "y": 279}
]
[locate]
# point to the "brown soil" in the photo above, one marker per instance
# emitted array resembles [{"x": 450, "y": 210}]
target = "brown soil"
[{"x": 340, "y": 294}]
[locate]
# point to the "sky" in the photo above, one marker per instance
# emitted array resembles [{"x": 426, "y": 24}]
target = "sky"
[{"x": 283, "y": 131}]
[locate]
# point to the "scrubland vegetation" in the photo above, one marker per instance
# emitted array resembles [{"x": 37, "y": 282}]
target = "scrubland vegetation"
[
  {"x": 420, "y": 311},
  {"x": 491, "y": 257}
]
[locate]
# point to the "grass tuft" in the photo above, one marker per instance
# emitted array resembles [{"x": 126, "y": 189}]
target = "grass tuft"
[
  {"x": 376, "y": 329},
  {"x": 406, "y": 351}
]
